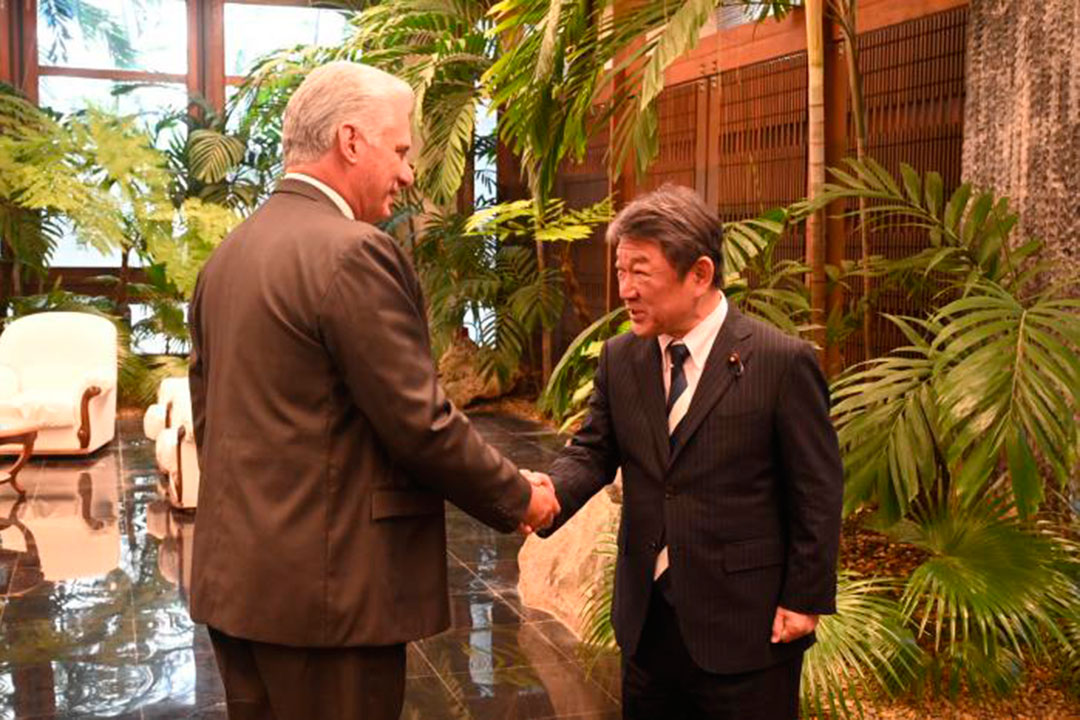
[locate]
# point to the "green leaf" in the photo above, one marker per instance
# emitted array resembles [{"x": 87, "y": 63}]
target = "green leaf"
[
  {"x": 213, "y": 154},
  {"x": 912, "y": 183},
  {"x": 934, "y": 193}
]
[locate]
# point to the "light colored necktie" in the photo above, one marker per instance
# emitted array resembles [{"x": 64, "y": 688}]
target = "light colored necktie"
[{"x": 677, "y": 403}]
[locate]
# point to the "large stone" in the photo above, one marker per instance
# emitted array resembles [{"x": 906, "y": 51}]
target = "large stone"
[
  {"x": 557, "y": 573},
  {"x": 460, "y": 376}
]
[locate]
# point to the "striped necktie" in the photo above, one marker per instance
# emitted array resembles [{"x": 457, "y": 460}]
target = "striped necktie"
[
  {"x": 677, "y": 387},
  {"x": 677, "y": 403}
]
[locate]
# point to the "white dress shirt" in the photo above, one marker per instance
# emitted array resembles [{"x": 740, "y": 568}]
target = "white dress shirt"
[
  {"x": 325, "y": 190},
  {"x": 699, "y": 341}
]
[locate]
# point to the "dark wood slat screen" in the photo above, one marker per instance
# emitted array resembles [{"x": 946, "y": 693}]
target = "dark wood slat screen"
[
  {"x": 913, "y": 79},
  {"x": 677, "y": 157},
  {"x": 739, "y": 137},
  {"x": 761, "y": 149},
  {"x": 583, "y": 184}
]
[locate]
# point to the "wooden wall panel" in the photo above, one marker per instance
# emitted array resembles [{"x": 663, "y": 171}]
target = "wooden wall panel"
[
  {"x": 761, "y": 141},
  {"x": 913, "y": 80},
  {"x": 676, "y": 161},
  {"x": 744, "y": 91},
  {"x": 582, "y": 184}
]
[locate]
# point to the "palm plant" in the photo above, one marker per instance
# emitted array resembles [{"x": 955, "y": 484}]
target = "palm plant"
[
  {"x": 992, "y": 378},
  {"x": 993, "y": 591},
  {"x": 212, "y": 162},
  {"x": 957, "y": 437},
  {"x": 865, "y": 647},
  {"x": 495, "y": 236},
  {"x": 559, "y": 59}
]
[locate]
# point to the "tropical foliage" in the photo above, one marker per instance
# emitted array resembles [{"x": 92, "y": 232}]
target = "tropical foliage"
[
  {"x": 955, "y": 441},
  {"x": 991, "y": 379},
  {"x": 98, "y": 176}
]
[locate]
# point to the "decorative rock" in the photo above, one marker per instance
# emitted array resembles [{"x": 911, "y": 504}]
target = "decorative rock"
[
  {"x": 557, "y": 574},
  {"x": 460, "y": 377}
]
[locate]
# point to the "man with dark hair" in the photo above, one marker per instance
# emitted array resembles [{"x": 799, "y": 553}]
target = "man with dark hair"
[{"x": 732, "y": 479}]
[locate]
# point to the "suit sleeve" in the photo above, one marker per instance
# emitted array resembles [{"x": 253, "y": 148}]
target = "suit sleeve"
[
  {"x": 590, "y": 460},
  {"x": 374, "y": 327},
  {"x": 197, "y": 372},
  {"x": 813, "y": 477}
]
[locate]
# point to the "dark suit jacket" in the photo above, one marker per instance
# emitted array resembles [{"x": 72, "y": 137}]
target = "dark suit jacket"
[
  {"x": 748, "y": 501},
  {"x": 326, "y": 444}
]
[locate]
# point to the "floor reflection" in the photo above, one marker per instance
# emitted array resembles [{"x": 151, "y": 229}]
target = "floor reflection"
[{"x": 94, "y": 571}]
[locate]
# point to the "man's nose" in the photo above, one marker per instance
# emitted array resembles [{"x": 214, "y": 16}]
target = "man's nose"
[
  {"x": 626, "y": 290},
  {"x": 407, "y": 175}
]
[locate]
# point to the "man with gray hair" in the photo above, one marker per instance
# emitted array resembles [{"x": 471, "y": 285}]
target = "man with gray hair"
[
  {"x": 326, "y": 445},
  {"x": 731, "y": 479}
]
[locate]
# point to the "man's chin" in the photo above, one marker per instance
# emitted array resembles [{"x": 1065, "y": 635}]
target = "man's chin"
[{"x": 642, "y": 329}]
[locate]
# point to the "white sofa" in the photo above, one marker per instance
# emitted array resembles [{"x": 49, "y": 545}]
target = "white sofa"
[
  {"x": 168, "y": 423},
  {"x": 58, "y": 371}
]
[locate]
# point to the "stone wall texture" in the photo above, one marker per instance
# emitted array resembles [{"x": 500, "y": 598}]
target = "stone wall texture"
[{"x": 1022, "y": 117}]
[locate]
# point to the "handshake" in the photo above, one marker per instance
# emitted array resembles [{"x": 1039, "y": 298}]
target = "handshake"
[{"x": 543, "y": 505}]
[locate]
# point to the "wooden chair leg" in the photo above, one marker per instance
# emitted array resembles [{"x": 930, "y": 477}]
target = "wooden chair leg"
[
  {"x": 84, "y": 429},
  {"x": 27, "y": 440},
  {"x": 181, "y": 433}
]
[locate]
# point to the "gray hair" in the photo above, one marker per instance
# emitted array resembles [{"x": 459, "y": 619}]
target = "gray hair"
[
  {"x": 330, "y": 95},
  {"x": 678, "y": 220}
]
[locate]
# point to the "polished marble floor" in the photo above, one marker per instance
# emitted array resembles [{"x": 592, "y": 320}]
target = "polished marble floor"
[{"x": 94, "y": 622}]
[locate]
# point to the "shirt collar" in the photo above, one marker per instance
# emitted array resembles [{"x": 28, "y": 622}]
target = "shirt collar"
[
  {"x": 326, "y": 190},
  {"x": 701, "y": 337}
]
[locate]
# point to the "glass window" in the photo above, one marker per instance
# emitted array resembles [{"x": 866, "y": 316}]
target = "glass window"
[
  {"x": 70, "y": 252},
  {"x": 252, "y": 31},
  {"x": 150, "y": 102},
  {"x": 151, "y": 343},
  {"x": 148, "y": 35}
]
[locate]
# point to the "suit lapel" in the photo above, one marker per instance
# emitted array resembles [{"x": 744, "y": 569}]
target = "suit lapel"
[
  {"x": 649, "y": 374},
  {"x": 716, "y": 378}
]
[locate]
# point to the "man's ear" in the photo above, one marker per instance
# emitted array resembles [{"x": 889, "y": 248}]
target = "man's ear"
[
  {"x": 349, "y": 140},
  {"x": 702, "y": 271}
]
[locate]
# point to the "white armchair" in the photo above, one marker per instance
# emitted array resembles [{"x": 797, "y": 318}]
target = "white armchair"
[
  {"x": 168, "y": 423},
  {"x": 58, "y": 372},
  {"x": 172, "y": 391}
]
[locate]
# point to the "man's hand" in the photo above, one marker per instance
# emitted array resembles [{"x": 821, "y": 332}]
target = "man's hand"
[
  {"x": 789, "y": 625},
  {"x": 543, "y": 506}
]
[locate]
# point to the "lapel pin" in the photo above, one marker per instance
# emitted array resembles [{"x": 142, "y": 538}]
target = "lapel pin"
[{"x": 735, "y": 364}]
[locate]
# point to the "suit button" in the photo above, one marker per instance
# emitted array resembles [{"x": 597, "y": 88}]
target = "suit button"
[
  {"x": 670, "y": 491},
  {"x": 654, "y": 546}
]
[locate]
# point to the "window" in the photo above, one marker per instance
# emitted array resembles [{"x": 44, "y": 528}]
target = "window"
[
  {"x": 132, "y": 57},
  {"x": 252, "y": 31},
  {"x": 146, "y": 35}
]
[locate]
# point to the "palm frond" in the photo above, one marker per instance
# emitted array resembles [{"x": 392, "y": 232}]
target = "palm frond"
[
  {"x": 214, "y": 154},
  {"x": 885, "y": 412},
  {"x": 1010, "y": 387},
  {"x": 993, "y": 587},
  {"x": 864, "y": 648}
]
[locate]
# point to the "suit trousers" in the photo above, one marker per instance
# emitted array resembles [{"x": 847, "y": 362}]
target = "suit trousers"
[
  {"x": 662, "y": 682},
  {"x": 278, "y": 682}
]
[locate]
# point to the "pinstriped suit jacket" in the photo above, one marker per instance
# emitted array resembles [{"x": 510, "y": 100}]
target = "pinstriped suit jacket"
[{"x": 747, "y": 497}]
